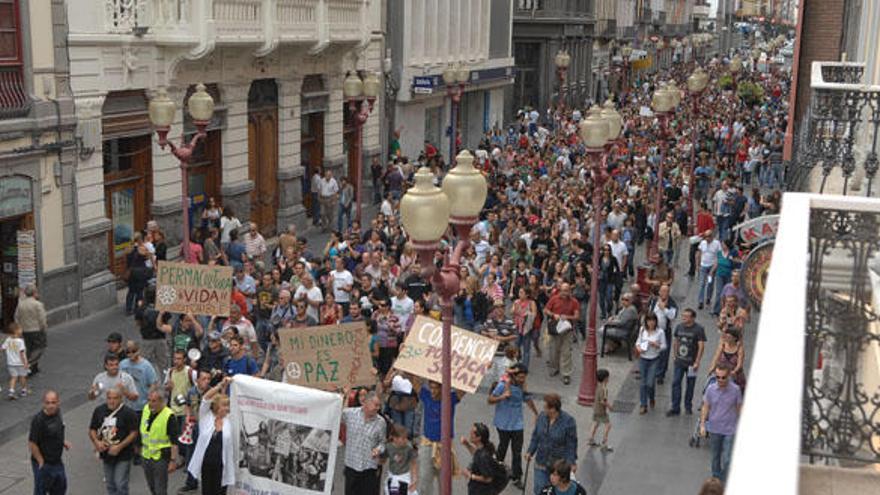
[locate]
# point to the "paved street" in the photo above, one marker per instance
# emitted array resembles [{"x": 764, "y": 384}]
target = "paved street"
[{"x": 651, "y": 453}]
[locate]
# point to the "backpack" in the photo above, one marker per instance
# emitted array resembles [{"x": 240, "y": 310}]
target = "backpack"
[{"x": 500, "y": 476}]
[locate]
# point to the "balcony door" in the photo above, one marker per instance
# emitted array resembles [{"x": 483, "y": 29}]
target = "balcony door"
[{"x": 263, "y": 153}]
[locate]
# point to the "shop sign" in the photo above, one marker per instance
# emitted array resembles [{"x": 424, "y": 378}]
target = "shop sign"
[
  {"x": 423, "y": 85},
  {"x": 15, "y": 196}
]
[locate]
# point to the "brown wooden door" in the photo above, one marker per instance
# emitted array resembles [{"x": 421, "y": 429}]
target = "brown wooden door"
[
  {"x": 263, "y": 167},
  {"x": 127, "y": 193},
  {"x": 312, "y": 149}
]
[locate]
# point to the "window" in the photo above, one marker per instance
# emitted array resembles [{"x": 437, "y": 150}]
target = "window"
[{"x": 14, "y": 101}]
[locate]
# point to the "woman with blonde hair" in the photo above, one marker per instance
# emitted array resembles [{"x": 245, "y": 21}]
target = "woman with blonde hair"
[{"x": 213, "y": 461}]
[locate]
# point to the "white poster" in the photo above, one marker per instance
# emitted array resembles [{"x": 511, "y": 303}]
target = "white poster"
[{"x": 286, "y": 437}]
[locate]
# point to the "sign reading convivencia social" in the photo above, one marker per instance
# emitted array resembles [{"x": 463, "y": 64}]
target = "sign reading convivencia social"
[
  {"x": 420, "y": 354},
  {"x": 196, "y": 289}
]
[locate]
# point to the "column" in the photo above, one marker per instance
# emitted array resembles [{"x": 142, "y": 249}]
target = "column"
[
  {"x": 290, "y": 169},
  {"x": 98, "y": 284},
  {"x": 235, "y": 183},
  {"x": 166, "y": 207},
  {"x": 334, "y": 158}
]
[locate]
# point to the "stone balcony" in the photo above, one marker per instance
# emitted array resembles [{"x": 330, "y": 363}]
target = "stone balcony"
[{"x": 202, "y": 25}]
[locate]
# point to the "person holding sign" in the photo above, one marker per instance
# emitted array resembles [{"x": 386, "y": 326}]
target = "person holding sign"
[{"x": 213, "y": 461}]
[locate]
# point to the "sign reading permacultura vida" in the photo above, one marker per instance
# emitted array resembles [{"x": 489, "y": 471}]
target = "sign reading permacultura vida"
[{"x": 196, "y": 289}]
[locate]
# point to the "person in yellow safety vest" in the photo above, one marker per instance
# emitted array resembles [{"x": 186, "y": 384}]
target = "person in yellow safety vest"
[{"x": 158, "y": 448}]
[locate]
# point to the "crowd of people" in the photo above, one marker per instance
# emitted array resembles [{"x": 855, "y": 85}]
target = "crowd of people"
[{"x": 525, "y": 281}]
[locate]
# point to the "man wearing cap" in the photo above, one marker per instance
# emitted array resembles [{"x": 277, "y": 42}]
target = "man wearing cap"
[
  {"x": 508, "y": 398},
  {"x": 214, "y": 354},
  {"x": 708, "y": 252}
]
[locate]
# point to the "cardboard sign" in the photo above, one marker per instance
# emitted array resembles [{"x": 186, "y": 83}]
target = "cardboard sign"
[
  {"x": 196, "y": 289},
  {"x": 758, "y": 230},
  {"x": 327, "y": 356},
  {"x": 421, "y": 355}
]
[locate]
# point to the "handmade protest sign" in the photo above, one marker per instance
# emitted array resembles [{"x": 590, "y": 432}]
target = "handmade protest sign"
[
  {"x": 420, "y": 354},
  {"x": 327, "y": 356},
  {"x": 284, "y": 437},
  {"x": 196, "y": 289}
]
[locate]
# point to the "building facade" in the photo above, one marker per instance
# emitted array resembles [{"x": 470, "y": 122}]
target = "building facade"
[
  {"x": 275, "y": 69},
  {"x": 427, "y": 36},
  {"x": 38, "y": 156},
  {"x": 540, "y": 30}
]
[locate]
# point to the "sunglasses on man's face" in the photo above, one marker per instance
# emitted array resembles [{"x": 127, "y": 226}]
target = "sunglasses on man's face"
[{"x": 722, "y": 377}]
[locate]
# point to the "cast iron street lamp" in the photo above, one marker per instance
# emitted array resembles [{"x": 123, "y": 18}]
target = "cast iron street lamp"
[
  {"x": 598, "y": 131},
  {"x": 455, "y": 79},
  {"x": 426, "y": 211},
  {"x": 562, "y": 61},
  {"x": 696, "y": 83},
  {"x": 162, "y": 109},
  {"x": 360, "y": 93},
  {"x": 663, "y": 102}
]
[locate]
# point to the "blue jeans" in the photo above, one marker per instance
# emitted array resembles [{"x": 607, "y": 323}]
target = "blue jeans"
[
  {"x": 669, "y": 254},
  {"x": 663, "y": 359},
  {"x": 723, "y": 222},
  {"x": 132, "y": 297},
  {"x": 678, "y": 373},
  {"x": 606, "y": 298},
  {"x": 525, "y": 348},
  {"x": 407, "y": 419},
  {"x": 49, "y": 479},
  {"x": 648, "y": 372},
  {"x": 541, "y": 478},
  {"x": 116, "y": 477},
  {"x": 703, "y": 295},
  {"x": 264, "y": 333},
  {"x": 343, "y": 211},
  {"x": 720, "y": 282},
  {"x": 721, "y": 447}
]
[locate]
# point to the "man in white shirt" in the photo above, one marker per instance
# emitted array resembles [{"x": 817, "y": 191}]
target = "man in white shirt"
[
  {"x": 341, "y": 280},
  {"x": 311, "y": 294},
  {"x": 616, "y": 217},
  {"x": 328, "y": 190},
  {"x": 254, "y": 243},
  {"x": 621, "y": 253},
  {"x": 708, "y": 253},
  {"x": 401, "y": 304}
]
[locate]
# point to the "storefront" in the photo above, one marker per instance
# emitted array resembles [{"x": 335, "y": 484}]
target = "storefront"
[
  {"x": 127, "y": 161},
  {"x": 314, "y": 104},
  {"x": 18, "y": 264}
]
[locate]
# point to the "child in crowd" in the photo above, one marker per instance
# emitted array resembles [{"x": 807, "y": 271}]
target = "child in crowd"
[
  {"x": 16, "y": 360},
  {"x": 403, "y": 466},
  {"x": 601, "y": 407}
]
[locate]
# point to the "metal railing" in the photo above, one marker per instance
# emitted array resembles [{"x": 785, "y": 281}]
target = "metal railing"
[
  {"x": 14, "y": 100},
  {"x": 818, "y": 339},
  {"x": 840, "y": 133}
]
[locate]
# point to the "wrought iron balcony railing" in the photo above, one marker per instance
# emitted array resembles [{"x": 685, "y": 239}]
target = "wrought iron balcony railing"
[
  {"x": 814, "y": 383},
  {"x": 14, "y": 100},
  {"x": 837, "y": 140}
]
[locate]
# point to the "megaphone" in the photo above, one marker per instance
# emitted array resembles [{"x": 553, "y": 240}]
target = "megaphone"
[
  {"x": 194, "y": 354},
  {"x": 186, "y": 437}
]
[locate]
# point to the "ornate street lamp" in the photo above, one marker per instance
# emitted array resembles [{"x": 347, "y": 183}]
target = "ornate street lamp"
[
  {"x": 626, "y": 53},
  {"x": 663, "y": 102},
  {"x": 562, "y": 61},
  {"x": 360, "y": 93},
  {"x": 455, "y": 79},
  {"x": 426, "y": 211},
  {"x": 598, "y": 131},
  {"x": 696, "y": 84},
  {"x": 161, "y": 111}
]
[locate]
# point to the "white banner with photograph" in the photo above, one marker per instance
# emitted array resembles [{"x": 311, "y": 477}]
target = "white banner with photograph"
[{"x": 286, "y": 437}]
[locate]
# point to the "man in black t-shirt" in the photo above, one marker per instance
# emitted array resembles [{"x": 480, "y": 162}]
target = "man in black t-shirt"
[
  {"x": 153, "y": 345},
  {"x": 687, "y": 351},
  {"x": 113, "y": 429},
  {"x": 46, "y": 443},
  {"x": 416, "y": 287}
]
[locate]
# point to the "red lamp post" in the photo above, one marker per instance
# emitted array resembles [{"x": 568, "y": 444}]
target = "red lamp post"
[
  {"x": 735, "y": 68},
  {"x": 598, "y": 131},
  {"x": 696, "y": 85},
  {"x": 663, "y": 102},
  {"x": 455, "y": 79},
  {"x": 562, "y": 61},
  {"x": 426, "y": 212},
  {"x": 361, "y": 97},
  {"x": 626, "y": 54},
  {"x": 161, "y": 110}
]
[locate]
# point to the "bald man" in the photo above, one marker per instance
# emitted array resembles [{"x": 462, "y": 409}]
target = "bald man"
[{"x": 46, "y": 442}]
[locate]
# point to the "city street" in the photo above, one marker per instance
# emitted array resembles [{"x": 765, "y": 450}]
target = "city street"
[{"x": 651, "y": 453}]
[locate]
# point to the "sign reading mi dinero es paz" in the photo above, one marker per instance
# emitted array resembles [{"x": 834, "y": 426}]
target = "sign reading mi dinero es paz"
[
  {"x": 196, "y": 289},
  {"x": 327, "y": 356},
  {"x": 421, "y": 354}
]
